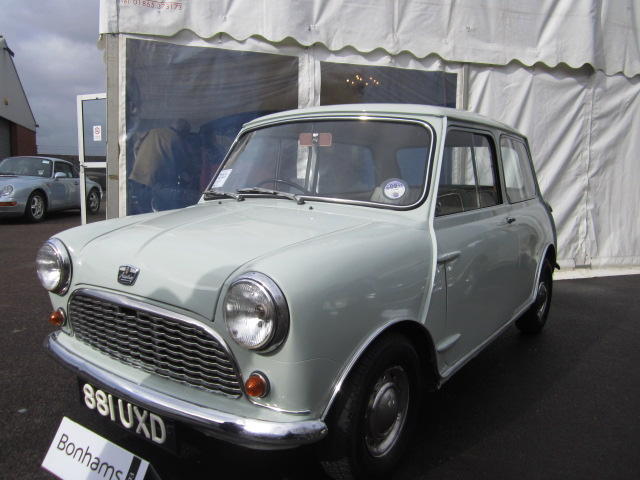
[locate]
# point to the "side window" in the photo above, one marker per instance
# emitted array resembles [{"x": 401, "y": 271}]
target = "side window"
[
  {"x": 468, "y": 179},
  {"x": 518, "y": 177},
  {"x": 64, "y": 168}
]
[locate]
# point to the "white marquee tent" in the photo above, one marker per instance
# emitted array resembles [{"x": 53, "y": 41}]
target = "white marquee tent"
[{"x": 564, "y": 72}]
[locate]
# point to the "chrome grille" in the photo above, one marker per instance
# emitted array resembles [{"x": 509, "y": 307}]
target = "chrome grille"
[{"x": 155, "y": 343}]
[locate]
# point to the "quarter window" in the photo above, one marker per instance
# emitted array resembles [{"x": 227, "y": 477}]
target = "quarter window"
[
  {"x": 518, "y": 177},
  {"x": 468, "y": 179}
]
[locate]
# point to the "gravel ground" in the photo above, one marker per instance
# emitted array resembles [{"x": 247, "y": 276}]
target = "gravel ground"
[{"x": 564, "y": 404}]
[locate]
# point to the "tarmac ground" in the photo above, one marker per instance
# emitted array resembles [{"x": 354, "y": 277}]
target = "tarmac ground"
[{"x": 564, "y": 404}]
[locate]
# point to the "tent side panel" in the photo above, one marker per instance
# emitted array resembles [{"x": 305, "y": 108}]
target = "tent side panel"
[
  {"x": 551, "y": 107},
  {"x": 614, "y": 172},
  {"x": 113, "y": 146}
]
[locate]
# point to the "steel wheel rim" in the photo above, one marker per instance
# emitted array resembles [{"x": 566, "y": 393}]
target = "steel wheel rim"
[
  {"x": 542, "y": 300},
  {"x": 386, "y": 411},
  {"x": 93, "y": 201},
  {"x": 36, "y": 206}
]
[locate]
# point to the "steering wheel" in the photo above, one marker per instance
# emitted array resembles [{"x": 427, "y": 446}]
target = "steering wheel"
[{"x": 286, "y": 182}]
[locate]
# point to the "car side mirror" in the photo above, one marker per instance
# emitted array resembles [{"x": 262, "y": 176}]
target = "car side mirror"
[{"x": 59, "y": 175}]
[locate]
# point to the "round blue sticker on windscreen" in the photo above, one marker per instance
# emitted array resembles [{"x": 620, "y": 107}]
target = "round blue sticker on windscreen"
[{"x": 395, "y": 189}]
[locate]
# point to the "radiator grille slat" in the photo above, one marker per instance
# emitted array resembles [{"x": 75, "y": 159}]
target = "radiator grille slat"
[{"x": 157, "y": 344}]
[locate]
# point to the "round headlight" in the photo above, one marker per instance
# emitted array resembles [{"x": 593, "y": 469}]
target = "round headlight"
[
  {"x": 256, "y": 312},
  {"x": 53, "y": 265},
  {"x": 6, "y": 190}
]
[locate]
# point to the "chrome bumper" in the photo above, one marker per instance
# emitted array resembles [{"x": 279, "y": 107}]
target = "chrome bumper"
[{"x": 258, "y": 434}]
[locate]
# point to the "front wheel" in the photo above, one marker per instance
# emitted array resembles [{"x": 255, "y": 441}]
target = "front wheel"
[
  {"x": 36, "y": 207},
  {"x": 371, "y": 422},
  {"x": 534, "y": 319}
]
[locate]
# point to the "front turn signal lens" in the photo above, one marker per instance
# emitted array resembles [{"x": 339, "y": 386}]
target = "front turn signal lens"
[
  {"x": 57, "y": 318},
  {"x": 257, "y": 385}
]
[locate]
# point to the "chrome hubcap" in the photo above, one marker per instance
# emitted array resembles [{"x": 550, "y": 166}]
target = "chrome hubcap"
[
  {"x": 37, "y": 207},
  {"x": 542, "y": 299},
  {"x": 386, "y": 411}
]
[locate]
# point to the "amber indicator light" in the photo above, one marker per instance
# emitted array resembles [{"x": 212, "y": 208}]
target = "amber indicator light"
[
  {"x": 57, "y": 318},
  {"x": 256, "y": 385}
]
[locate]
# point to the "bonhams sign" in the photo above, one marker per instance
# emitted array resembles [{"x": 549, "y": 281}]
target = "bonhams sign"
[{"x": 79, "y": 454}]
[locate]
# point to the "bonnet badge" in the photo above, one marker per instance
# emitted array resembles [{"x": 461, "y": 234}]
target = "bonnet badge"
[{"x": 128, "y": 274}]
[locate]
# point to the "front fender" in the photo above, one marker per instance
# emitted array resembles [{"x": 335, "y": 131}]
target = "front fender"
[{"x": 342, "y": 290}]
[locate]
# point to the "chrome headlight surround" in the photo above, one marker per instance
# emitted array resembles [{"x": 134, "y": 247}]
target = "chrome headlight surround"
[
  {"x": 53, "y": 265},
  {"x": 256, "y": 312},
  {"x": 6, "y": 190}
]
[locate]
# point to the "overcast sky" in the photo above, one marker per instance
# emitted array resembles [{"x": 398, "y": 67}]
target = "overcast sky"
[{"x": 57, "y": 58}]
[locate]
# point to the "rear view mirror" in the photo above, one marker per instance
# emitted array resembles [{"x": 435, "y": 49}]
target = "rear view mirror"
[{"x": 318, "y": 139}]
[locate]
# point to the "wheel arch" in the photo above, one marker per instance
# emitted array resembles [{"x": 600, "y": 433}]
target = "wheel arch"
[
  {"x": 44, "y": 195},
  {"x": 415, "y": 333},
  {"x": 550, "y": 254}
]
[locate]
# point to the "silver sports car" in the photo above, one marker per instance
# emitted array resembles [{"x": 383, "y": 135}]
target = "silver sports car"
[{"x": 33, "y": 186}]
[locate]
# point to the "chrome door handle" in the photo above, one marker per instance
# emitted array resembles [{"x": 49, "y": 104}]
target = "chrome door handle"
[
  {"x": 447, "y": 257},
  {"x": 510, "y": 220}
]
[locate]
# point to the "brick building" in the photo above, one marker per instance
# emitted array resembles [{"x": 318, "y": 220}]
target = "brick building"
[{"x": 17, "y": 123}]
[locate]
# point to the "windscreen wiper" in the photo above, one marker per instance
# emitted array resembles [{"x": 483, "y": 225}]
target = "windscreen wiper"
[
  {"x": 291, "y": 196},
  {"x": 213, "y": 193}
]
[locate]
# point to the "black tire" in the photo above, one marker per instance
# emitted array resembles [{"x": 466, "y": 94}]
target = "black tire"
[
  {"x": 534, "y": 319},
  {"x": 372, "y": 420},
  {"x": 93, "y": 201},
  {"x": 36, "y": 208}
]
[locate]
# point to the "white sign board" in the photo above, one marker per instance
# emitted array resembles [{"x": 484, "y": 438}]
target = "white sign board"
[
  {"x": 97, "y": 133},
  {"x": 79, "y": 454}
]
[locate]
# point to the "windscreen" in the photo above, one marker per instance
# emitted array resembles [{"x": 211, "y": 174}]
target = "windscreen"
[
  {"x": 29, "y": 166},
  {"x": 379, "y": 162}
]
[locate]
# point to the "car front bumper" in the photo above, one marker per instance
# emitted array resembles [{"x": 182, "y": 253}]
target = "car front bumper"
[
  {"x": 248, "y": 432},
  {"x": 11, "y": 207}
]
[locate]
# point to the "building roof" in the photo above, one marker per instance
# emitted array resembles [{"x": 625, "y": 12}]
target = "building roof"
[
  {"x": 14, "y": 105},
  {"x": 600, "y": 33}
]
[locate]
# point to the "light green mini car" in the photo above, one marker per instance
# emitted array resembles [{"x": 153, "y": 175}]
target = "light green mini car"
[{"x": 344, "y": 261}]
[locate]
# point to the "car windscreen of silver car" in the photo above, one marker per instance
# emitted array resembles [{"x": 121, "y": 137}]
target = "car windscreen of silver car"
[{"x": 28, "y": 166}]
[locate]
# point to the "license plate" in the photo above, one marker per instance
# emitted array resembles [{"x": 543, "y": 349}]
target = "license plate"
[{"x": 128, "y": 415}]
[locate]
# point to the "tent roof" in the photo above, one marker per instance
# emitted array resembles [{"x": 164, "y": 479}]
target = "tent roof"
[{"x": 602, "y": 33}]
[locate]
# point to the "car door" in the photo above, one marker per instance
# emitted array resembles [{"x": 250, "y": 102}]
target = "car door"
[
  {"x": 475, "y": 242},
  {"x": 528, "y": 214},
  {"x": 65, "y": 187},
  {"x": 74, "y": 193}
]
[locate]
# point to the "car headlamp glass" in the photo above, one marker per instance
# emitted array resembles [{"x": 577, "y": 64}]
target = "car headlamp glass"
[
  {"x": 256, "y": 312},
  {"x": 53, "y": 266},
  {"x": 6, "y": 190}
]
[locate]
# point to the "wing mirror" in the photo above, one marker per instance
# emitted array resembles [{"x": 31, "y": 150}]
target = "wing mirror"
[{"x": 59, "y": 175}]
